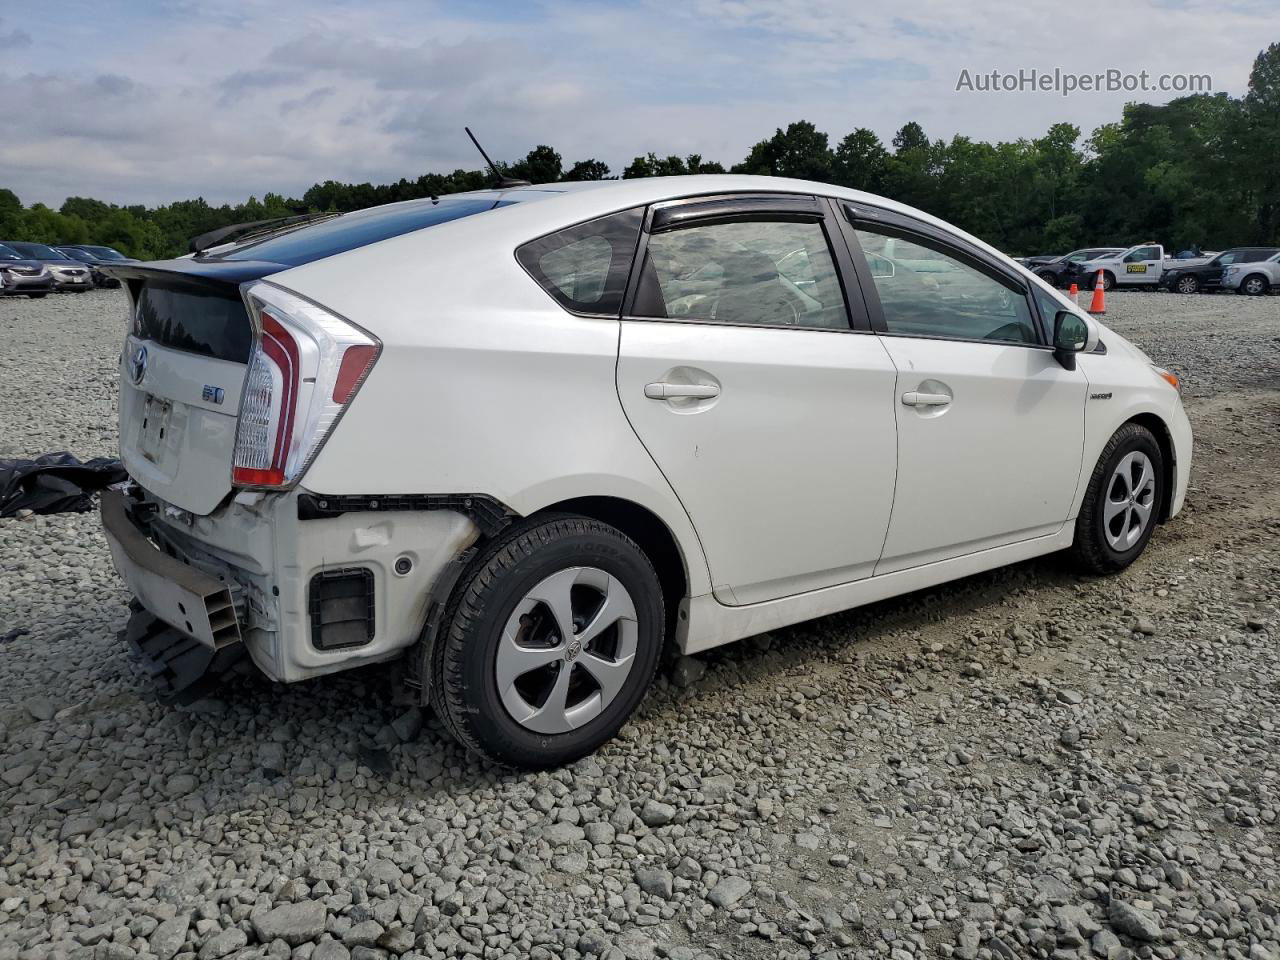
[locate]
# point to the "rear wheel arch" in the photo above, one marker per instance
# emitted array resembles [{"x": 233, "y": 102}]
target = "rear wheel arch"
[{"x": 651, "y": 534}]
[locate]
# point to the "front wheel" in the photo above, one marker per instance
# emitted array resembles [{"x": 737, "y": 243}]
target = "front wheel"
[
  {"x": 1254, "y": 285},
  {"x": 37, "y": 296},
  {"x": 1049, "y": 277},
  {"x": 1108, "y": 282},
  {"x": 1188, "y": 285},
  {"x": 551, "y": 640},
  {"x": 1122, "y": 502}
]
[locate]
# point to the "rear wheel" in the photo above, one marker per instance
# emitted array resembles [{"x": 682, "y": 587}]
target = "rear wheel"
[
  {"x": 1108, "y": 282},
  {"x": 37, "y": 296},
  {"x": 1188, "y": 285},
  {"x": 1121, "y": 503},
  {"x": 552, "y": 638},
  {"x": 1254, "y": 285}
]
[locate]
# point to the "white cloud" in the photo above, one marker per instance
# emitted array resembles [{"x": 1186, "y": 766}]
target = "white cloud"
[{"x": 236, "y": 98}]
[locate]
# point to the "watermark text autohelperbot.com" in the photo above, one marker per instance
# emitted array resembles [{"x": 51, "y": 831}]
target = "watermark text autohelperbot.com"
[{"x": 1065, "y": 82}]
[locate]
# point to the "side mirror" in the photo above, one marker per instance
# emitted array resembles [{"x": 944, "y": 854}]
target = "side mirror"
[{"x": 1071, "y": 335}]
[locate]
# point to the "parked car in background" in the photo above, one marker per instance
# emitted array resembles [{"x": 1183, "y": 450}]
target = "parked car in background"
[
  {"x": 102, "y": 253},
  {"x": 1052, "y": 270},
  {"x": 23, "y": 277},
  {"x": 640, "y": 418},
  {"x": 1206, "y": 277},
  {"x": 1253, "y": 279},
  {"x": 100, "y": 279},
  {"x": 1142, "y": 265},
  {"x": 68, "y": 274}
]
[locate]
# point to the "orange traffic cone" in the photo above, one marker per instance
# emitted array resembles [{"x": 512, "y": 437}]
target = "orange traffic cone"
[
  {"x": 1074, "y": 293},
  {"x": 1099, "y": 305}
]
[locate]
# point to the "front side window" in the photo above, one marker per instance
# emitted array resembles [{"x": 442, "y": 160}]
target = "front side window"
[
  {"x": 930, "y": 293},
  {"x": 760, "y": 272},
  {"x": 585, "y": 267}
]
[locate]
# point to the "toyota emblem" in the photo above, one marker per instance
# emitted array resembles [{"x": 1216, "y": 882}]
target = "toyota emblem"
[{"x": 138, "y": 364}]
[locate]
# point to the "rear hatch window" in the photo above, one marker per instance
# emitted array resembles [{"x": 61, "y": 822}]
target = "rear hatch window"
[
  {"x": 358, "y": 229},
  {"x": 209, "y": 322}
]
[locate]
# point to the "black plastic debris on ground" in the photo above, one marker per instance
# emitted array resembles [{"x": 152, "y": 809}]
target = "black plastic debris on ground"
[{"x": 55, "y": 483}]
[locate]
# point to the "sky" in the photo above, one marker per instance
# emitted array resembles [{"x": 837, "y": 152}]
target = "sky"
[{"x": 152, "y": 101}]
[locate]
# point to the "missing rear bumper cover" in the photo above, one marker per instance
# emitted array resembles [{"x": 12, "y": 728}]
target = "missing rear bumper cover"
[{"x": 341, "y": 605}]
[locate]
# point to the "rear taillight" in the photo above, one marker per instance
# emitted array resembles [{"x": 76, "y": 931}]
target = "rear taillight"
[{"x": 306, "y": 366}]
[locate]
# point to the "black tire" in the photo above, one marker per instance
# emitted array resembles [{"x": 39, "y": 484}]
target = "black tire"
[
  {"x": 1108, "y": 281},
  {"x": 1188, "y": 284},
  {"x": 1091, "y": 550},
  {"x": 1049, "y": 277},
  {"x": 37, "y": 296},
  {"x": 464, "y": 687},
  {"x": 1254, "y": 285}
]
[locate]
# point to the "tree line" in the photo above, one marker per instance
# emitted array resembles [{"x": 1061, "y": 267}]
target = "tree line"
[{"x": 1201, "y": 170}]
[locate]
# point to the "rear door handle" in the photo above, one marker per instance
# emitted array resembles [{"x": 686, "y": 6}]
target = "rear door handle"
[
  {"x": 913, "y": 398},
  {"x": 680, "y": 391}
]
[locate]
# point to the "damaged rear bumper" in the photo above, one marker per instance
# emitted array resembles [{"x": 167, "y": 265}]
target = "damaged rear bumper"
[{"x": 189, "y": 600}]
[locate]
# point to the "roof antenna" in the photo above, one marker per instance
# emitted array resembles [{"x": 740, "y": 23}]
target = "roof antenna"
[{"x": 502, "y": 181}]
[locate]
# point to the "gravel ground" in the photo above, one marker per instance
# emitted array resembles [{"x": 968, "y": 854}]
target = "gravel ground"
[{"x": 1022, "y": 764}]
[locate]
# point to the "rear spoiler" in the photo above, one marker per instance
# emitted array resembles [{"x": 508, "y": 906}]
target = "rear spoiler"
[{"x": 219, "y": 274}]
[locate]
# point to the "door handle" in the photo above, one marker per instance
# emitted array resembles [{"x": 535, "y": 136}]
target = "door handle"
[
  {"x": 680, "y": 391},
  {"x": 913, "y": 398}
]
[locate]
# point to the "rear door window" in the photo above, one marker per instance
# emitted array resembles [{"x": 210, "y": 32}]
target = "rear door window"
[
  {"x": 585, "y": 267},
  {"x": 777, "y": 273}
]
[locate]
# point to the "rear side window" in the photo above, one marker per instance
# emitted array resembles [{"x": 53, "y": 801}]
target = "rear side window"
[
  {"x": 358, "y": 229},
  {"x": 585, "y": 267},
  {"x": 195, "y": 320}
]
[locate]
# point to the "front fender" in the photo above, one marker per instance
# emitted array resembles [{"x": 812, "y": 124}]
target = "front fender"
[{"x": 1122, "y": 388}]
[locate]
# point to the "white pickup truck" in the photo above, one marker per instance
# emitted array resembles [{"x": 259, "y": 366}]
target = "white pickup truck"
[{"x": 1139, "y": 266}]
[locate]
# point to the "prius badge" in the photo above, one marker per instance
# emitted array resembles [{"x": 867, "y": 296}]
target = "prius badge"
[{"x": 138, "y": 364}]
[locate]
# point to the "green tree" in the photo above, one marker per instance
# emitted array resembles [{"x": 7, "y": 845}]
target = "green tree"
[
  {"x": 588, "y": 170},
  {"x": 861, "y": 162}
]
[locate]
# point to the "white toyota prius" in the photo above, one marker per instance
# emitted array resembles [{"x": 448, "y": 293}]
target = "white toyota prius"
[{"x": 523, "y": 439}]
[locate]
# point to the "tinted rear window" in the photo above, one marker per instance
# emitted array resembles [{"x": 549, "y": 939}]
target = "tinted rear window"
[
  {"x": 194, "y": 319},
  {"x": 351, "y": 230}
]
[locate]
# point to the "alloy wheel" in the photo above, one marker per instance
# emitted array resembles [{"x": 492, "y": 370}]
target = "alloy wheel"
[
  {"x": 1130, "y": 501},
  {"x": 566, "y": 650},
  {"x": 1253, "y": 286},
  {"x": 1188, "y": 285}
]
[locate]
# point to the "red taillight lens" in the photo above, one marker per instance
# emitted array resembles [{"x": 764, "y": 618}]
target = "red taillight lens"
[
  {"x": 306, "y": 366},
  {"x": 356, "y": 362}
]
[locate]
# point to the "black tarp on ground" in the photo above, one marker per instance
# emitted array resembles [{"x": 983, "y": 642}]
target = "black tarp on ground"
[{"x": 55, "y": 483}]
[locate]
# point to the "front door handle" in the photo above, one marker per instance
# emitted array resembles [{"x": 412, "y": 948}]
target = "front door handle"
[
  {"x": 680, "y": 391},
  {"x": 913, "y": 398}
]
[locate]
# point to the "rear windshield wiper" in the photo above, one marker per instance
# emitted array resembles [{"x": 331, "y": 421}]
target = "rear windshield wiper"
[{"x": 252, "y": 229}]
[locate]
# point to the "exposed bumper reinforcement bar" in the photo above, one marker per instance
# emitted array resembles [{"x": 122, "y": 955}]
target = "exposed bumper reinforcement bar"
[{"x": 189, "y": 600}]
